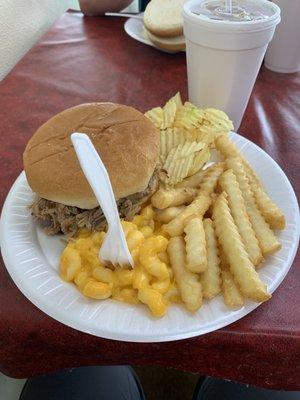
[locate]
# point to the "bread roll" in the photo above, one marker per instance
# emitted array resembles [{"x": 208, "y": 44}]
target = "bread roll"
[
  {"x": 163, "y": 18},
  {"x": 126, "y": 140},
  {"x": 171, "y": 45}
]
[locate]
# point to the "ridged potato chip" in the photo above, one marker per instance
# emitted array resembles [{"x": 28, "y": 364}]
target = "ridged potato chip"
[
  {"x": 189, "y": 104},
  {"x": 205, "y": 134},
  {"x": 180, "y": 161},
  {"x": 156, "y": 115},
  {"x": 170, "y": 109},
  {"x": 200, "y": 159},
  {"x": 177, "y": 99},
  {"x": 218, "y": 120},
  {"x": 188, "y": 118},
  {"x": 202, "y": 125},
  {"x": 214, "y": 123},
  {"x": 212, "y": 117},
  {"x": 172, "y": 137},
  {"x": 183, "y": 125}
]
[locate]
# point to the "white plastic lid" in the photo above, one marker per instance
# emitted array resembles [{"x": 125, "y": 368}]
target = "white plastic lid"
[{"x": 191, "y": 8}]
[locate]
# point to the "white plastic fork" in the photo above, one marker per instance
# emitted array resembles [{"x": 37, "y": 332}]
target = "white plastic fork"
[{"x": 114, "y": 248}]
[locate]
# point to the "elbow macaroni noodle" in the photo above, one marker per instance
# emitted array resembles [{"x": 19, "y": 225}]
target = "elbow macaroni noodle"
[{"x": 151, "y": 282}]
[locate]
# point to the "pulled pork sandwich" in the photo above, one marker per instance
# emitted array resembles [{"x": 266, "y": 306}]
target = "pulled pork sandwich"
[{"x": 128, "y": 144}]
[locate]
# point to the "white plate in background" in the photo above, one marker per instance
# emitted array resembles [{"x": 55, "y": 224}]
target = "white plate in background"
[
  {"x": 32, "y": 258},
  {"x": 135, "y": 28}
]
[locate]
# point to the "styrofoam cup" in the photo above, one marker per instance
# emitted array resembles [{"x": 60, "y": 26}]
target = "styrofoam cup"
[
  {"x": 283, "y": 53},
  {"x": 224, "y": 57}
]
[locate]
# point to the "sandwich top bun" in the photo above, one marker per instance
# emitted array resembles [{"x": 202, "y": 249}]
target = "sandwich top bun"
[
  {"x": 127, "y": 141},
  {"x": 172, "y": 44},
  {"x": 164, "y": 17}
]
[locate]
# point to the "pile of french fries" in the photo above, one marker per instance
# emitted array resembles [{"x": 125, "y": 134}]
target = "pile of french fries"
[{"x": 219, "y": 221}]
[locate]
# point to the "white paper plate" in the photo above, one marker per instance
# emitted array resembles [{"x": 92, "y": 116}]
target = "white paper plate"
[
  {"x": 31, "y": 259},
  {"x": 135, "y": 29}
]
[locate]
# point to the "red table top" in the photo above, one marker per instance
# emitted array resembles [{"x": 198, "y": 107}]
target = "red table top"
[{"x": 92, "y": 59}]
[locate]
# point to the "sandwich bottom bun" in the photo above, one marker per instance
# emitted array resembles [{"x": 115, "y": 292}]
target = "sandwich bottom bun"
[{"x": 172, "y": 44}]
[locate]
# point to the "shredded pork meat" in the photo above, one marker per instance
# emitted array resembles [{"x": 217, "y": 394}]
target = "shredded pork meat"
[{"x": 57, "y": 217}]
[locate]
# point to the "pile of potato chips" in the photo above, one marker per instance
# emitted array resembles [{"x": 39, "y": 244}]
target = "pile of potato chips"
[{"x": 187, "y": 134}]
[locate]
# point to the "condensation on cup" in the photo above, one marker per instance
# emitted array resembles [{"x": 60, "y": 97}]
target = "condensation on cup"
[{"x": 225, "y": 51}]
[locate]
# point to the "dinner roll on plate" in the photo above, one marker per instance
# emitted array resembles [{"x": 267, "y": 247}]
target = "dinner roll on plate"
[
  {"x": 163, "y": 18},
  {"x": 172, "y": 44}
]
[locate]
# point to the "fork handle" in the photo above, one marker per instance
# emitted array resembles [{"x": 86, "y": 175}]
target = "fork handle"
[
  {"x": 125, "y": 15},
  {"x": 97, "y": 176}
]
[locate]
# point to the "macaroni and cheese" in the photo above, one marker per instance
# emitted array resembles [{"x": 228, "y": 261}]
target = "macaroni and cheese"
[{"x": 151, "y": 281}]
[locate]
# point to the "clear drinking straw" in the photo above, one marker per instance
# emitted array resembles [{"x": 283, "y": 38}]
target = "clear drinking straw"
[{"x": 228, "y": 6}]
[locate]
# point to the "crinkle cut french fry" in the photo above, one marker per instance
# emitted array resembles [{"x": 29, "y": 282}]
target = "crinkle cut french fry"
[
  {"x": 224, "y": 264},
  {"x": 210, "y": 279},
  {"x": 172, "y": 295},
  {"x": 270, "y": 211},
  {"x": 241, "y": 267},
  {"x": 165, "y": 198},
  {"x": 266, "y": 238},
  {"x": 229, "y": 150},
  {"x": 231, "y": 293},
  {"x": 197, "y": 208},
  {"x": 195, "y": 245},
  {"x": 213, "y": 197},
  {"x": 252, "y": 176},
  {"x": 188, "y": 283},
  {"x": 168, "y": 214},
  {"x": 210, "y": 179},
  {"x": 226, "y": 147},
  {"x": 237, "y": 207}
]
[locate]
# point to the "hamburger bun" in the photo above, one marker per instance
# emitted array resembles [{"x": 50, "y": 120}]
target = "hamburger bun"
[
  {"x": 164, "y": 17},
  {"x": 172, "y": 45},
  {"x": 126, "y": 140}
]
